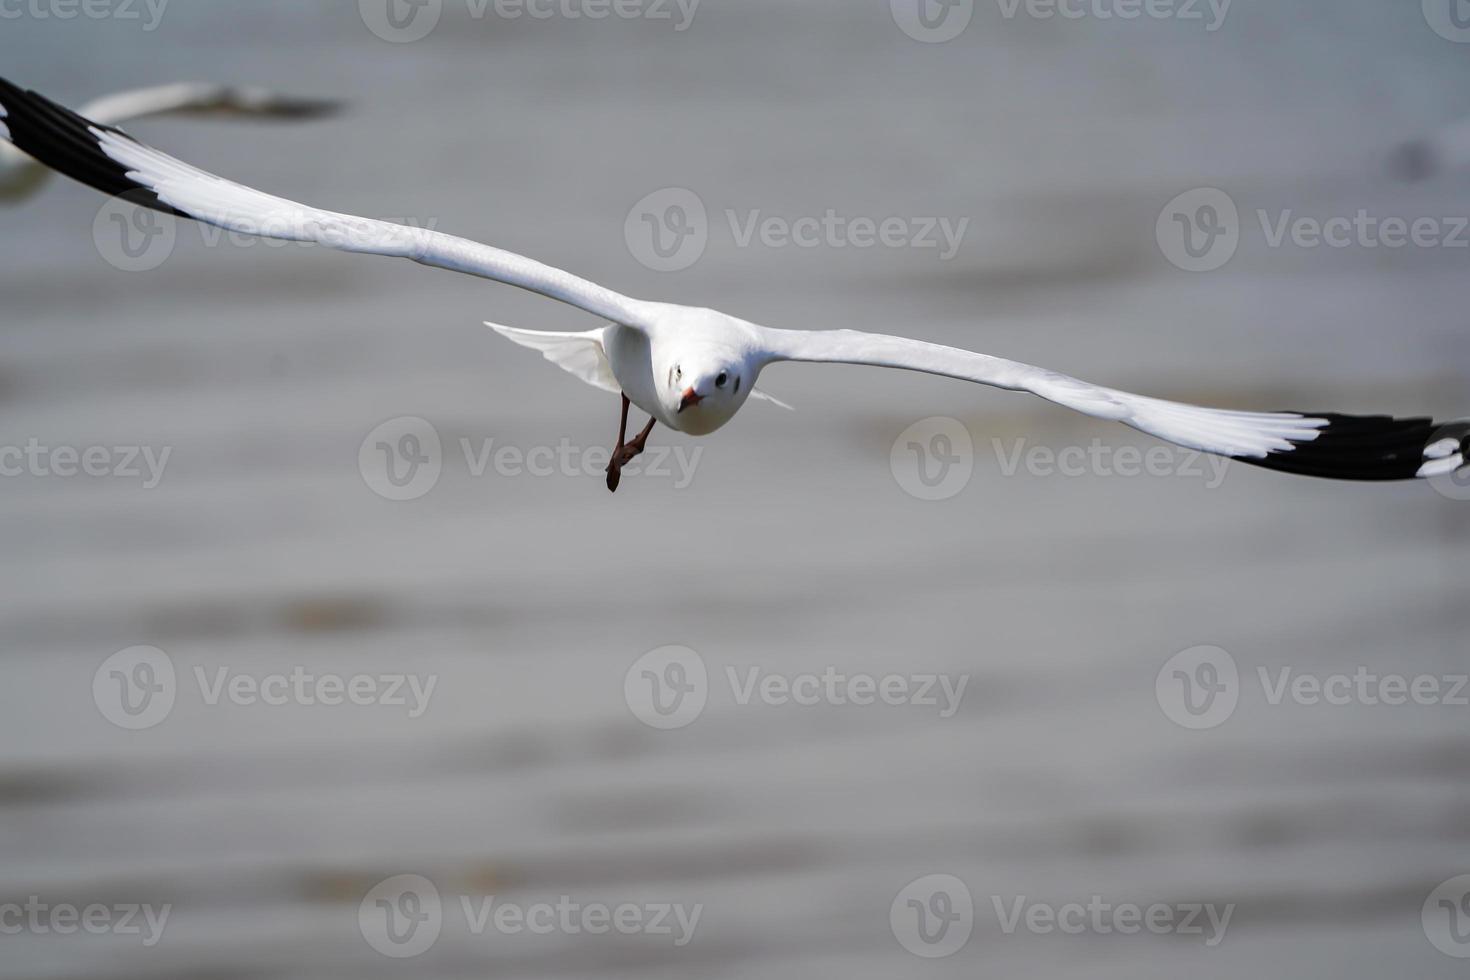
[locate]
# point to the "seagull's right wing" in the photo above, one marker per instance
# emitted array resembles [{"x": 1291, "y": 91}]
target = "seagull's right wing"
[
  {"x": 203, "y": 98},
  {"x": 1343, "y": 447},
  {"x": 115, "y": 163}
]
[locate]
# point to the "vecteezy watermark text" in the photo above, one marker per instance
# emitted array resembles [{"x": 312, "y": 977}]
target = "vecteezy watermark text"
[
  {"x": 405, "y": 915},
  {"x": 934, "y": 459},
  {"x": 406, "y": 21},
  {"x": 404, "y": 459},
  {"x": 1104, "y": 460},
  {"x": 934, "y": 916},
  {"x": 132, "y": 237},
  {"x": 148, "y": 12},
  {"x": 939, "y": 21},
  {"x": 1101, "y": 917},
  {"x": 670, "y": 229},
  {"x": 668, "y": 688},
  {"x": 137, "y": 688},
  {"x": 1200, "y": 688},
  {"x": 38, "y": 917},
  {"x": 1201, "y": 230},
  {"x": 41, "y": 461}
]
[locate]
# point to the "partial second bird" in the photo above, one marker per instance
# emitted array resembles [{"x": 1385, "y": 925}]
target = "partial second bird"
[
  {"x": 21, "y": 175},
  {"x": 692, "y": 368}
]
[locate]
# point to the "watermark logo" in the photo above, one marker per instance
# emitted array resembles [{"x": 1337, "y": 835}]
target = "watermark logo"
[
  {"x": 670, "y": 687},
  {"x": 667, "y": 688},
  {"x": 933, "y": 459},
  {"x": 401, "y": 21},
  {"x": 1450, "y": 19},
  {"x": 402, "y": 459},
  {"x": 138, "y": 687},
  {"x": 1199, "y": 688},
  {"x": 668, "y": 230},
  {"x": 933, "y": 21},
  {"x": 1199, "y": 231},
  {"x": 402, "y": 916},
  {"x": 132, "y": 237},
  {"x": 933, "y": 916},
  {"x": 1446, "y": 917},
  {"x": 1455, "y": 485},
  {"x": 148, "y": 12},
  {"x": 135, "y": 688}
]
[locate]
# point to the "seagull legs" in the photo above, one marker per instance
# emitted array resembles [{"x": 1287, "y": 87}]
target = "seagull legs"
[{"x": 625, "y": 452}]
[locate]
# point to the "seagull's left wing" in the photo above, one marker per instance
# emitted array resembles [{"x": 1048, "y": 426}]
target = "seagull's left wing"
[
  {"x": 1341, "y": 447},
  {"x": 115, "y": 163}
]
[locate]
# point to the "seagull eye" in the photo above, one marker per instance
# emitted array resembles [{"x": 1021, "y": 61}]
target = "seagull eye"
[{"x": 722, "y": 380}]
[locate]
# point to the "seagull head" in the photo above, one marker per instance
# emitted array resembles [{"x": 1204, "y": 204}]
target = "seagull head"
[{"x": 704, "y": 387}]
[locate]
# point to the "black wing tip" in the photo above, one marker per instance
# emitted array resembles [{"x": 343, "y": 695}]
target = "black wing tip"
[
  {"x": 1375, "y": 448},
  {"x": 67, "y": 143}
]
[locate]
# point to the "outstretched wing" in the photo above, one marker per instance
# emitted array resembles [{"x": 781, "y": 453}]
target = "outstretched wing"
[
  {"x": 1341, "y": 447},
  {"x": 115, "y": 163},
  {"x": 21, "y": 175},
  {"x": 203, "y": 98}
]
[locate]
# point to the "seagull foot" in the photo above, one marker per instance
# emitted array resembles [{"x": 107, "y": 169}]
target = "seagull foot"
[
  {"x": 622, "y": 456},
  {"x": 625, "y": 452}
]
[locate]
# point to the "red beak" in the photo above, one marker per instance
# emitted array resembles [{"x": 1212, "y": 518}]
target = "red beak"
[{"x": 689, "y": 398}]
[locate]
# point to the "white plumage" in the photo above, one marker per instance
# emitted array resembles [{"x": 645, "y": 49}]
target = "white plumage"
[{"x": 692, "y": 368}]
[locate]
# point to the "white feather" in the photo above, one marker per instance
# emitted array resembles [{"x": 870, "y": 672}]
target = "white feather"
[
  {"x": 1248, "y": 434},
  {"x": 235, "y": 207}
]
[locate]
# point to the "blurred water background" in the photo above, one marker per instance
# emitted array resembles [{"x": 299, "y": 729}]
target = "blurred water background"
[{"x": 793, "y": 549}]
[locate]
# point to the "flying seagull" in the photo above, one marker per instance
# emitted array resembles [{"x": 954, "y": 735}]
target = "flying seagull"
[
  {"x": 21, "y": 176},
  {"x": 690, "y": 368}
]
